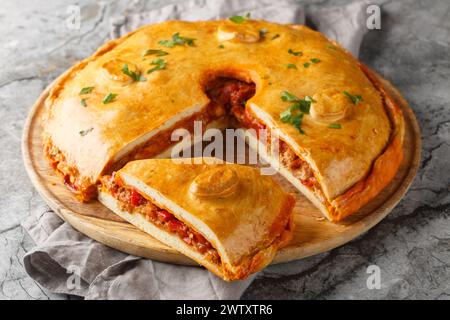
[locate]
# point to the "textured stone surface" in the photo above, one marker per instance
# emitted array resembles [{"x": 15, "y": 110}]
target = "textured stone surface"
[{"x": 411, "y": 247}]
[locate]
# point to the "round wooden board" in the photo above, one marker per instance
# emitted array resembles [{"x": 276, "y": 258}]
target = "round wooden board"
[{"x": 312, "y": 235}]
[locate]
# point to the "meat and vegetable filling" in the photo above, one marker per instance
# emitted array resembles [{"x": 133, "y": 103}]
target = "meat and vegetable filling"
[
  {"x": 132, "y": 201},
  {"x": 233, "y": 94}
]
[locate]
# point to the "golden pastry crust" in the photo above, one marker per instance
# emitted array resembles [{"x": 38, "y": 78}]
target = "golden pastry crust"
[
  {"x": 244, "y": 215},
  {"x": 342, "y": 159},
  {"x": 385, "y": 167}
]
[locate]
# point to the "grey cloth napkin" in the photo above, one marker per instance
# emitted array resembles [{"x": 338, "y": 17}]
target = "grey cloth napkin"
[{"x": 66, "y": 261}]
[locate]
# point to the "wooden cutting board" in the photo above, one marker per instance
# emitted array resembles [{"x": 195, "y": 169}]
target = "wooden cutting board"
[{"x": 312, "y": 233}]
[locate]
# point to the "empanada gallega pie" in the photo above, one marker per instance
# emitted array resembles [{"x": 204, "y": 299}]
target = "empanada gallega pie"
[
  {"x": 340, "y": 133},
  {"x": 227, "y": 217}
]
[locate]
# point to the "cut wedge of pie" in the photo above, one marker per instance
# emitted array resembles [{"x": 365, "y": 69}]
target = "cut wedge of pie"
[{"x": 227, "y": 217}]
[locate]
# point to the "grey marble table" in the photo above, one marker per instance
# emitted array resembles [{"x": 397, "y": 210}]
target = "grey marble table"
[{"x": 411, "y": 246}]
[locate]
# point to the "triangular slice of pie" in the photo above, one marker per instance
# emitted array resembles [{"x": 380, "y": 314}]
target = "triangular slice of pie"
[{"x": 227, "y": 217}]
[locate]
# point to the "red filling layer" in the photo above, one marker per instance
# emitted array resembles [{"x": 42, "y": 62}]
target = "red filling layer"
[{"x": 132, "y": 201}]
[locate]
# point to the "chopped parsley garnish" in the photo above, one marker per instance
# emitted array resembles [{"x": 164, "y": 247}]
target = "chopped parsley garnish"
[
  {"x": 221, "y": 46},
  {"x": 294, "y": 114},
  {"x": 177, "y": 40},
  {"x": 133, "y": 75},
  {"x": 291, "y": 66},
  {"x": 83, "y": 102},
  {"x": 158, "y": 53},
  {"x": 286, "y": 96},
  {"x": 263, "y": 32},
  {"x": 275, "y": 36},
  {"x": 295, "y": 53},
  {"x": 86, "y": 90},
  {"x": 315, "y": 60},
  {"x": 306, "y": 64},
  {"x": 240, "y": 19},
  {"x": 85, "y": 132},
  {"x": 109, "y": 98},
  {"x": 159, "y": 64},
  {"x": 354, "y": 98},
  {"x": 330, "y": 46},
  {"x": 335, "y": 126}
]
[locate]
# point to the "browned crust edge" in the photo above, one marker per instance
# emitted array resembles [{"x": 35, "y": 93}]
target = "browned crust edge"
[{"x": 385, "y": 166}]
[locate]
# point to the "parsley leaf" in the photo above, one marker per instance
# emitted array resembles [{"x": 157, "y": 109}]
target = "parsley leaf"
[
  {"x": 240, "y": 19},
  {"x": 133, "y": 75},
  {"x": 86, "y": 90},
  {"x": 315, "y": 60},
  {"x": 295, "y": 113},
  {"x": 109, "y": 98},
  {"x": 354, "y": 98},
  {"x": 221, "y": 46},
  {"x": 177, "y": 40},
  {"x": 275, "y": 36},
  {"x": 263, "y": 32},
  {"x": 158, "y": 53},
  {"x": 83, "y": 102},
  {"x": 335, "y": 126},
  {"x": 295, "y": 53},
  {"x": 332, "y": 47},
  {"x": 291, "y": 66},
  {"x": 306, "y": 64},
  {"x": 287, "y": 96},
  {"x": 85, "y": 132},
  {"x": 159, "y": 64}
]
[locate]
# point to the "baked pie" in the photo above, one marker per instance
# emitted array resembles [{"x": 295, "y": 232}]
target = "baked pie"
[
  {"x": 339, "y": 133},
  {"x": 227, "y": 217}
]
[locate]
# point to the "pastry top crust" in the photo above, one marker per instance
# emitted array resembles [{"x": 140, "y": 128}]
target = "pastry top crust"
[
  {"x": 238, "y": 210},
  {"x": 339, "y": 157}
]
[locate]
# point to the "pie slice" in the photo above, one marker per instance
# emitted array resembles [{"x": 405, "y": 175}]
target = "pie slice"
[{"x": 227, "y": 217}]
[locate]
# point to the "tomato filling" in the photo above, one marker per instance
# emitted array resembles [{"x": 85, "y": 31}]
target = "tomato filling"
[
  {"x": 233, "y": 94},
  {"x": 132, "y": 201},
  {"x": 82, "y": 187}
]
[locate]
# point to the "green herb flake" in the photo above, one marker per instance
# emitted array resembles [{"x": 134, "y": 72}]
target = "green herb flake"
[
  {"x": 275, "y": 37},
  {"x": 221, "y": 46},
  {"x": 315, "y": 60},
  {"x": 86, "y": 90},
  {"x": 263, "y": 32},
  {"x": 291, "y": 66},
  {"x": 85, "y": 132},
  {"x": 240, "y": 19},
  {"x": 159, "y": 64},
  {"x": 330, "y": 46},
  {"x": 295, "y": 53},
  {"x": 109, "y": 98},
  {"x": 287, "y": 96},
  {"x": 156, "y": 52},
  {"x": 133, "y": 75},
  {"x": 354, "y": 98},
  {"x": 295, "y": 113},
  {"x": 177, "y": 40},
  {"x": 306, "y": 64},
  {"x": 83, "y": 102},
  {"x": 335, "y": 126}
]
